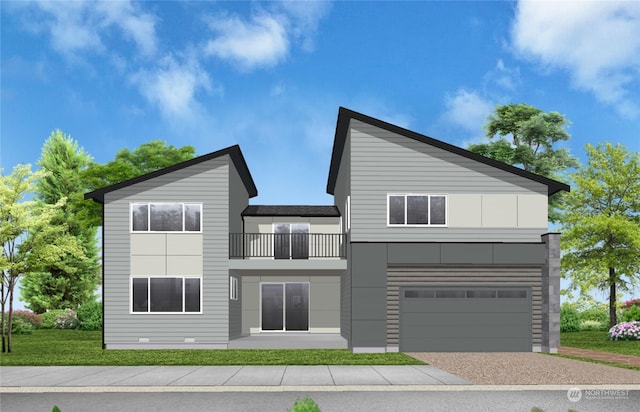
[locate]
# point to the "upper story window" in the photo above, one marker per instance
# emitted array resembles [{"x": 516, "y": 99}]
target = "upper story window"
[
  {"x": 166, "y": 217},
  {"x": 416, "y": 210}
]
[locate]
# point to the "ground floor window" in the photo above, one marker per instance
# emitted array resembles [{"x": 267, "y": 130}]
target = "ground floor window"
[{"x": 166, "y": 295}]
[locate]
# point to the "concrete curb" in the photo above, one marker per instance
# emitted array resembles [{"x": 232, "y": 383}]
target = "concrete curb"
[{"x": 333, "y": 388}]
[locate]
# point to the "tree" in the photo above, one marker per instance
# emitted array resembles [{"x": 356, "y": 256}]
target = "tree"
[
  {"x": 146, "y": 158},
  {"x": 58, "y": 287},
  {"x": 29, "y": 239},
  {"x": 531, "y": 135},
  {"x": 601, "y": 225}
]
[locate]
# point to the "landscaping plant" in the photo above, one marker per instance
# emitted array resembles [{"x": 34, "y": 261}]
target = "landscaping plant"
[
  {"x": 49, "y": 318},
  {"x": 90, "y": 316},
  {"x": 66, "y": 320},
  {"x": 625, "y": 331},
  {"x": 631, "y": 314},
  {"x": 305, "y": 405},
  {"x": 569, "y": 320},
  {"x": 593, "y": 325}
]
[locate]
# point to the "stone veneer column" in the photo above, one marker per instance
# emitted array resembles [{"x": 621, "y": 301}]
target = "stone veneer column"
[{"x": 551, "y": 293}]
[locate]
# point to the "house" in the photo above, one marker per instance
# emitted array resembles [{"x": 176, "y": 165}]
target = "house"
[{"x": 428, "y": 247}]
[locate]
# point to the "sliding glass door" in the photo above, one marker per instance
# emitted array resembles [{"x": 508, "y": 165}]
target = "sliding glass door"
[
  {"x": 285, "y": 306},
  {"x": 291, "y": 240}
]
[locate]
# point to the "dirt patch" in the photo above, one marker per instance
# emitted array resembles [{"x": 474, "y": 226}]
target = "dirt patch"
[{"x": 509, "y": 368}]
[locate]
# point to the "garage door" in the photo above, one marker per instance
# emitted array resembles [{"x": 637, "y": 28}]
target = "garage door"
[{"x": 465, "y": 319}]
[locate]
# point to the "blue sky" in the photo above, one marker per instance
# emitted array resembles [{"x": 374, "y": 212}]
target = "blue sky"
[{"x": 271, "y": 76}]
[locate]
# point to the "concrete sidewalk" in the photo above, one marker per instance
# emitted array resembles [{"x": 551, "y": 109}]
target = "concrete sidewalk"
[{"x": 222, "y": 376}]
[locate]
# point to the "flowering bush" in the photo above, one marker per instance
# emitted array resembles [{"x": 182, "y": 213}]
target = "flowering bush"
[
  {"x": 66, "y": 320},
  {"x": 27, "y": 316},
  {"x": 49, "y": 318},
  {"x": 632, "y": 302},
  {"x": 625, "y": 331}
]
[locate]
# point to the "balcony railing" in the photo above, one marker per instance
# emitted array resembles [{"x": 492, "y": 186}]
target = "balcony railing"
[{"x": 287, "y": 245}]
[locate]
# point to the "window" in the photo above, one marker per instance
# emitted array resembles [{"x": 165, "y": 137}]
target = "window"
[
  {"x": 166, "y": 217},
  {"x": 233, "y": 288},
  {"x": 416, "y": 210},
  {"x": 166, "y": 295}
]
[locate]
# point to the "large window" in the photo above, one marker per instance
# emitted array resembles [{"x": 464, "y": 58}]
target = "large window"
[
  {"x": 166, "y": 295},
  {"x": 416, "y": 210},
  {"x": 166, "y": 217}
]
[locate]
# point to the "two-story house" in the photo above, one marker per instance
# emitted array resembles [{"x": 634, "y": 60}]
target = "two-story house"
[{"x": 428, "y": 247}]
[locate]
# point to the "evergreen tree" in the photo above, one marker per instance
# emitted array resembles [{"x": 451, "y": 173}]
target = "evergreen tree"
[{"x": 73, "y": 281}]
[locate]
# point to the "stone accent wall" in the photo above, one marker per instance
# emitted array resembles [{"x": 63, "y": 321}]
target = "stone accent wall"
[{"x": 551, "y": 293}]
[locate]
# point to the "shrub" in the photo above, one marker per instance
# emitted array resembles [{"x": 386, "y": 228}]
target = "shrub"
[
  {"x": 632, "y": 302},
  {"x": 625, "y": 331},
  {"x": 49, "y": 318},
  {"x": 305, "y": 405},
  {"x": 66, "y": 320},
  {"x": 595, "y": 314},
  {"x": 26, "y": 315},
  {"x": 20, "y": 326},
  {"x": 593, "y": 325},
  {"x": 569, "y": 321},
  {"x": 631, "y": 314},
  {"x": 90, "y": 316}
]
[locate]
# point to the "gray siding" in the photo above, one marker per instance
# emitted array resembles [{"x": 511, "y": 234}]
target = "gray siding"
[
  {"x": 238, "y": 201},
  {"x": 343, "y": 181},
  {"x": 206, "y": 182},
  {"x": 461, "y": 276},
  {"x": 383, "y": 162}
]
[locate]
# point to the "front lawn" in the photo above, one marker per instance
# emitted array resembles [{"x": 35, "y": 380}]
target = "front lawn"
[
  {"x": 598, "y": 341},
  {"x": 52, "y": 347}
]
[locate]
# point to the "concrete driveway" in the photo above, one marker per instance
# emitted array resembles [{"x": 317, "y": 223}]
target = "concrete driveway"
[{"x": 526, "y": 368}]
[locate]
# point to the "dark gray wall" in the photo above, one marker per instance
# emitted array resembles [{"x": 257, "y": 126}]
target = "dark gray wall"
[{"x": 368, "y": 294}]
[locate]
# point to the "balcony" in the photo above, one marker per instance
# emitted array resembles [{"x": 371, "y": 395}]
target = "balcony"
[{"x": 287, "y": 246}]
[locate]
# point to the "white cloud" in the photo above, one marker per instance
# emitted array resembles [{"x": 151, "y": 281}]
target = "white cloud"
[
  {"x": 597, "y": 42},
  {"x": 467, "y": 110},
  {"x": 266, "y": 38},
  {"x": 76, "y": 26},
  {"x": 261, "y": 42},
  {"x": 172, "y": 86},
  {"x": 503, "y": 77}
]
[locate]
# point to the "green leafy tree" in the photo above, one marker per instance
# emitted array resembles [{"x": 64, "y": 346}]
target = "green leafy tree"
[
  {"x": 58, "y": 287},
  {"x": 526, "y": 139},
  {"x": 146, "y": 158},
  {"x": 30, "y": 240},
  {"x": 601, "y": 225}
]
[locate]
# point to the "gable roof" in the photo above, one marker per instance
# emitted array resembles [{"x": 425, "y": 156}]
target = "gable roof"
[
  {"x": 302, "y": 211},
  {"x": 233, "y": 152},
  {"x": 342, "y": 127}
]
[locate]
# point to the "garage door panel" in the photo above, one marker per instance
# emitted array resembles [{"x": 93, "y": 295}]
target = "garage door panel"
[
  {"x": 467, "y": 331},
  {"x": 464, "y": 305},
  {"x": 439, "y": 319},
  {"x": 467, "y": 345},
  {"x": 466, "y": 324}
]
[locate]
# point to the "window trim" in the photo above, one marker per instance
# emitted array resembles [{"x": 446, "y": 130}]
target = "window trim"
[
  {"x": 148, "y": 312},
  {"x": 131, "y": 204},
  {"x": 347, "y": 211},
  {"x": 233, "y": 288},
  {"x": 429, "y": 196}
]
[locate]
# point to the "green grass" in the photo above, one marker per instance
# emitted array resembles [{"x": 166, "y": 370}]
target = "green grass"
[
  {"x": 617, "y": 365},
  {"x": 82, "y": 348},
  {"x": 598, "y": 341}
]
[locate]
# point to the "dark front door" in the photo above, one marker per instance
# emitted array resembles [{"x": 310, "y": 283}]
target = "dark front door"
[{"x": 285, "y": 306}]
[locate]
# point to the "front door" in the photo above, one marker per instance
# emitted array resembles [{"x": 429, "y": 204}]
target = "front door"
[{"x": 285, "y": 306}]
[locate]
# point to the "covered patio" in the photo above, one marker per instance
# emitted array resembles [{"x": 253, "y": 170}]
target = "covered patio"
[{"x": 290, "y": 341}]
